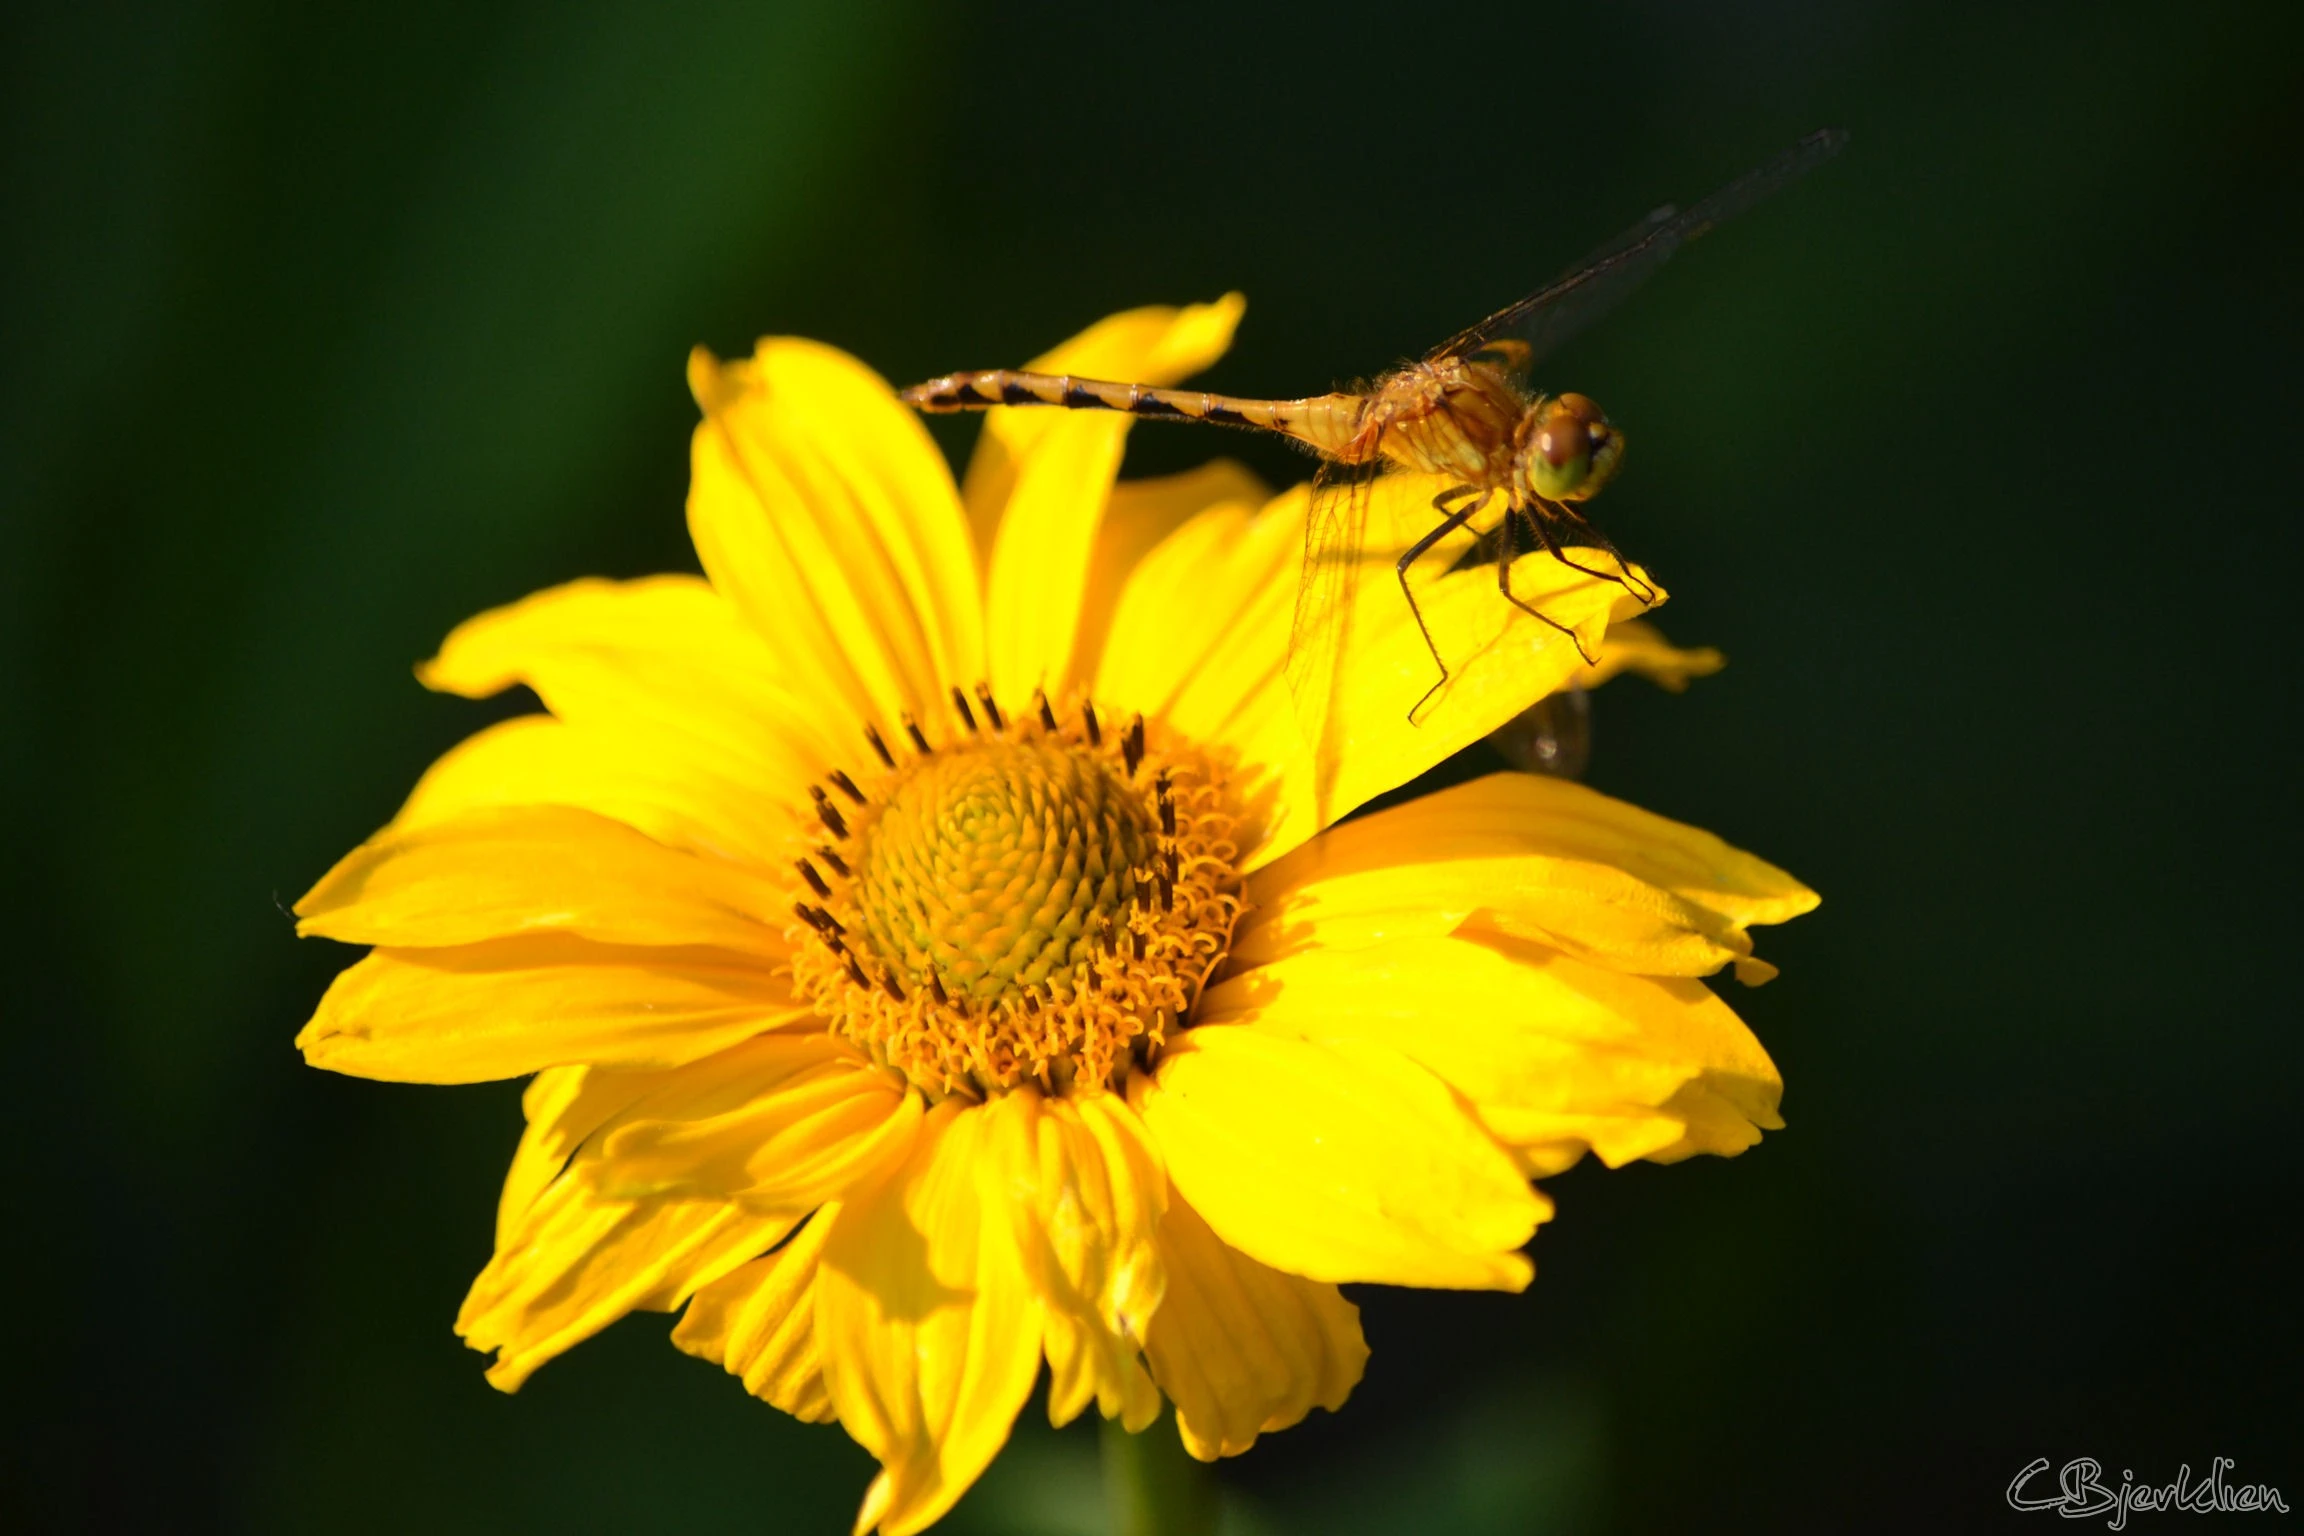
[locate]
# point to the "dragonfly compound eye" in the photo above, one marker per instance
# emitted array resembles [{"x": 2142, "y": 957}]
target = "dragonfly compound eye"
[
  {"x": 1560, "y": 451},
  {"x": 1572, "y": 450}
]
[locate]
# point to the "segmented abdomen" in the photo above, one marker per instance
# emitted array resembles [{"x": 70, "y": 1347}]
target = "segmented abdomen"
[{"x": 1327, "y": 422}]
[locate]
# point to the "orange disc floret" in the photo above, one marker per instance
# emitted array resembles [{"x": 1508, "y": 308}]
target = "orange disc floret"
[{"x": 1037, "y": 899}]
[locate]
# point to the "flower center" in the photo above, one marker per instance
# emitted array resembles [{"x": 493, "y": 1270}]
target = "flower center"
[{"x": 1030, "y": 900}]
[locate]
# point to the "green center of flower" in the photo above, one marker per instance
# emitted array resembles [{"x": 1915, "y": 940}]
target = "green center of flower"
[
  {"x": 1027, "y": 900},
  {"x": 995, "y": 866}
]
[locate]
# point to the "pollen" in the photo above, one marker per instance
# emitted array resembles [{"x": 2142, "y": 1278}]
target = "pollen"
[{"x": 1025, "y": 896}]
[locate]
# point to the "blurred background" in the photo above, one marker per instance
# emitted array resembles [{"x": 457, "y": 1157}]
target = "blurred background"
[{"x": 328, "y": 326}]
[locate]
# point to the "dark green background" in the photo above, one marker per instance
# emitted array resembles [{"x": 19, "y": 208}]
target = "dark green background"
[{"x": 326, "y": 327}]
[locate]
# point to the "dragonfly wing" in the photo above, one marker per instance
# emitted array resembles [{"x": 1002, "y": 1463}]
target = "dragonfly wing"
[
  {"x": 1552, "y": 736},
  {"x": 1595, "y": 285},
  {"x": 1327, "y": 594}
]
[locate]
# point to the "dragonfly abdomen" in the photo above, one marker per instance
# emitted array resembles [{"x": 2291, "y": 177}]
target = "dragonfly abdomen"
[{"x": 1326, "y": 422}]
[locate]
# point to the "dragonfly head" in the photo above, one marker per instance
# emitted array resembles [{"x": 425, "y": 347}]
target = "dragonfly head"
[{"x": 1568, "y": 448}]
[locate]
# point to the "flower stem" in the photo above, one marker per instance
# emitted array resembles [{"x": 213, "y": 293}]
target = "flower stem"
[{"x": 1152, "y": 1487}]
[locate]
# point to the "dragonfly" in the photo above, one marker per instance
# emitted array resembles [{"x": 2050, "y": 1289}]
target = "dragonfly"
[{"x": 1463, "y": 411}]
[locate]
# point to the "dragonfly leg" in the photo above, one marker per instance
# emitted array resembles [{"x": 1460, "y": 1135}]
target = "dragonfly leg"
[
  {"x": 1552, "y": 548},
  {"x": 1448, "y": 524},
  {"x": 1623, "y": 576}
]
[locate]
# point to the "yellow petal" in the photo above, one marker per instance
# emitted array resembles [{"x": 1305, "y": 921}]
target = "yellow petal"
[
  {"x": 1050, "y": 472},
  {"x": 1587, "y": 909},
  {"x": 1500, "y": 660},
  {"x": 1526, "y": 854},
  {"x": 1086, "y": 1190},
  {"x": 575, "y": 1262},
  {"x": 562, "y": 1105},
  {"x": 644, "y": 782},
  {"x": 1205, "y": 616},
  {"x": 1141, "y": 516},
  {"x": 1570, "y": 820},
  {"x": 1340, "y": 1161},
  {"x": 1635, "y": 645},
  {"x": 476, "y": 1012},
  {"x": 820, "y": 507},
  {"x": 778, "y": 1124},
  {"x": 1182, "y": 644},
  {"x": 929, "y": 1329},
  {"x": 1040, "y": 555},
  {"x": 664, "y": 664},
  {"x": 1156, "y": 344},
  {"x": 494, "y": 873},
  {"x": 759, "y": 1324},
  {"x": 1200, "y": 637},
  {"x": 1242, "y": 1348},
  {"x": 1554, "y": 1056},
  {"x": 1152, "y": 344}
]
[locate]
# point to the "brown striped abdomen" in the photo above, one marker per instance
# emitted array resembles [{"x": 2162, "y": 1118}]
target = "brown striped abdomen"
[{"x": 1326, "y": 422}]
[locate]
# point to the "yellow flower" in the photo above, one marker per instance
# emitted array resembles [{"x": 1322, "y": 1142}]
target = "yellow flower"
[{"x": 926, "y": 976}]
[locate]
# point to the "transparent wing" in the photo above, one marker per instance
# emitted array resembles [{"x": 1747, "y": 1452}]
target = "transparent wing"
[
  {"x": 1595, "y": 285},
  {"x": 1335, "y": 534},
  {"x": 1551, "y": 736}
]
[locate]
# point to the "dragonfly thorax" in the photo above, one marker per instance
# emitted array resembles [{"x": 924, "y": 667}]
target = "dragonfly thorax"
[
  {"x": 1471, "y": 420},
  {"x": 1452, "y": 417}
]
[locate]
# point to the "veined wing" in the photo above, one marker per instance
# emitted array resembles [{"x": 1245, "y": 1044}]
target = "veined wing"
[
  {"x": 1595, "y": 285},
  {"x": 1552, "y": 736},
  {"x": 1361, "y": 520},
  {"x": 1335, "y": 535}
]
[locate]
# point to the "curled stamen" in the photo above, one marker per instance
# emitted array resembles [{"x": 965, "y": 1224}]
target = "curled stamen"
[
  {"x": 991, "y": 709},
  {"x": 960, "y": 703},
  {"x": 815, "y": 880},
  {"x": 839, "y": 864},
  {"x": 912, "y": 729},
  {"x": 1047, "y": 715},
  {"x": 827, "y": 812},
  {"x": 846, "y": 785},
  {"x": 872, "y": 735},
  {"x": 1088, "y": 718},
  {"x": 1132, "y": 750}
]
